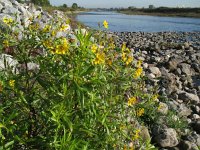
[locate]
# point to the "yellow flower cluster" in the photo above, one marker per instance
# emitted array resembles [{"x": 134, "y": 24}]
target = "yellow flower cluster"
[
  {"x": 46, "y": 28},
  {"x": 137, "y": 73},
  {"x": 59, "y": 47},
  {"x": 105, "y": 24},
  {"x": 12, "y": 83},
  {"x": 129, "y": 148},
  {"x": 137, "y": 134},
  {"x": 126, "y": 55},
  {"x": 155, "y": 96},
  {"x": 34, "y": 26},
  {"x": 5, "y": 43},
  {"x": 7, "y": 20},
  {"x": 62, "y": 47},
  {"x": 140, "y": 112},
  {"x": 139, "y": 63},
  {"x": 132, "y": 101},
  {"x": 94, "y": 48},
  {"x": 48, "y": 44},
  {"x": 64, "y": 27},
  {"x": 100, "y": 58}
]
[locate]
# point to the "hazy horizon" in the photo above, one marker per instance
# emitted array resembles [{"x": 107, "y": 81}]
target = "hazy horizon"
[{"x": 127, "y": 3}]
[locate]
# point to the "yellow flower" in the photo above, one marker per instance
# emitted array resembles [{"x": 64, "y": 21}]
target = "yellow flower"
[
  {"x": 124, "y": 57},
  {"x": 48, "y": 44},
  {"x": 132, "y": 101},
  {"x": 63, "y": 47},
  {"x": 129, "y": 60},
  {"x": 112, "y": 45},
  {"x": 94, "y": 48},
  {"x": 122, "y": 127},
  {"x": 105, "y": 24},
  {"x": 137, "y": 73},
  {"x": 12, "y": 83},
  {"x": 123, "y": 46},
  {"x": 39, "y": 16},
  {"x": 155, "y": 96},
  {"x": 136, "y": 136},
  {"x": 160, "y": 106},
  {"x": 125, "y": 147},
  {"x": 140, "y": 112},
  {"x": 100, "y": 58},
  {"x": 53, "y": 33},
  {"x": 5, "y": 43},
  {"x": 7, "y": 20},
  {"x": 109, "y": 62},
  {"x": 46, "y": 28},
  {"x": 139, "y": 63},
  {"x": 64, "y": 27},
  {"x": 67, "y": 21}
]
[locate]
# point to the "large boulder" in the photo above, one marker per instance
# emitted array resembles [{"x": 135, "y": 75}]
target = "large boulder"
[
  {"x": 166, "y": 137},
  {"x": 188, "y": 97}
]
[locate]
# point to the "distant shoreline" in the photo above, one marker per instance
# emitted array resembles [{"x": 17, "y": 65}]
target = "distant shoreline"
[{"x": 165, "y": 13}]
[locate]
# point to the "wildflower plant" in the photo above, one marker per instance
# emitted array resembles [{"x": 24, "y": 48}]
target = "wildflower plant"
[{"x": 80, "y": 96}]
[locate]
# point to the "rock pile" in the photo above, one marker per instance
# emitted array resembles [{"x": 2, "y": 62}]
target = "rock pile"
[
  {"x": 22, "y": 13},
  {"x": 171, "y": 61}
]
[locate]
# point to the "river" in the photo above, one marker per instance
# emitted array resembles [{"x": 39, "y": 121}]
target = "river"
[{"x": 133, "y": 23}]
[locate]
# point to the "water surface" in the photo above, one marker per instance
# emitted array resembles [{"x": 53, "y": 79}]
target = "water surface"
[{"x": 134, "y": 23}]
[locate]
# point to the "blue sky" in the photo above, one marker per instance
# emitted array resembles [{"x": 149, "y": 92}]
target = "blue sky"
[{"x": 126, "y": 3}]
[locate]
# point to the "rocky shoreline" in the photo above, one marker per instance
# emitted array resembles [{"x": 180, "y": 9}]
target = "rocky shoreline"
[{"x": 171, "y": 62}]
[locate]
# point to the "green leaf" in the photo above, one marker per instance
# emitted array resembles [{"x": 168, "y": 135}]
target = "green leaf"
[
  {"x": 86, "y": 71},
  {"x": 2, "y": 126}
]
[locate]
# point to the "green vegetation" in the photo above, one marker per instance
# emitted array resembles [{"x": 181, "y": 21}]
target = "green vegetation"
[
  {"x": 84, "y": 92},
  {"x": 162, "y": 11}
]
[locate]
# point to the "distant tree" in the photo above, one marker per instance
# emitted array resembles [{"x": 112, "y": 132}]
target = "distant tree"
[
  {"x": 65, "y": 5},
  {"x": 131, "y": 7},
  {"x": 74, "y": 5},
  {"x": 151, "y": 6}
]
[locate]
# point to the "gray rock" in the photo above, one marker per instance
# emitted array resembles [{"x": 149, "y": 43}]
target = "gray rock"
[
  {"x": 166, "y": 137},
  {"x": 10, "y": 10},
  {"x": 6, "y": 3},
  {"x": 196, "y": 126},
  {"x": 196, "y": 116},
  {"x": 1, "y": 7},
  {"x": 187, "y": 145},
  {"x": 144, "y": 134},
  {"x": 173, "y": 63},
  {"x": 163, "y": 108},
  {"x": 186, "y": 68},
  {"x": 157, "y": 47},
  {"x": 186, "y": 45},
  {"x": 189, "y": 97},
  {"x": 155, "y": 71},
  {"x": 183, "y": 111}
]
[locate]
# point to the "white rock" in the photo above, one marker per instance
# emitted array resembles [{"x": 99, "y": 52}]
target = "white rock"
[
  {"x": 155, "y": 71},
  {"x": 167, "y": 137},
  {"x": 7, "y": 61}
]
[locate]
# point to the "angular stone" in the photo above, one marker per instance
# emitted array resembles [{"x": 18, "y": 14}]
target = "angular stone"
[
  {"x": 183, "y": 111},
  {"x": 185, "y": 68},
  {"x": 155, "y": 71},
  {"x": 166, "y": 137},
  {"x": 189, "y": 97}
]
